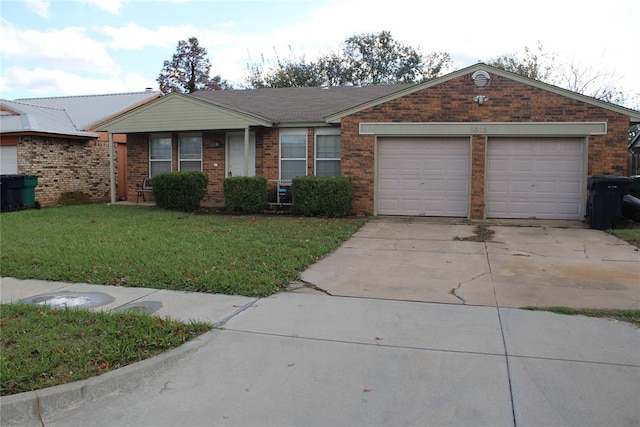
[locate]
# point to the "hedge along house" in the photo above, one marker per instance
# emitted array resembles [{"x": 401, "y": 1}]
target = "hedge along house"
[{"x": 478, "y": 143}]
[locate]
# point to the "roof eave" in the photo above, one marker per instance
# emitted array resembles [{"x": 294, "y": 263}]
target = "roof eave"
[{"x": 72, "y": 135}]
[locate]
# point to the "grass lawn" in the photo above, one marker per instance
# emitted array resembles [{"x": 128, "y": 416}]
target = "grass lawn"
[
  {"x": 631, "y": 235},
  {"x": 630, "y": 316},
  {"x": 137, "y": 246},
  {"x": 41, "y": 347},
  {"x": 150, "y": 247}
]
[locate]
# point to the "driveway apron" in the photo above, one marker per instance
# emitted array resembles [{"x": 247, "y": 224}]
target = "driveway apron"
[{"x": 531, "y": 264}]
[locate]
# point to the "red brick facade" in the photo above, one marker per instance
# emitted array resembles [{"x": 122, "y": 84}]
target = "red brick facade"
[{"x": 452, "y": 101}]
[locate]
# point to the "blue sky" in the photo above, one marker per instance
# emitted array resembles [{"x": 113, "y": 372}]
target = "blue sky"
[{"x": 76, "y": 47}]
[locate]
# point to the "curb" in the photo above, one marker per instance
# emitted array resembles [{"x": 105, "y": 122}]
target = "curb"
[{"x": 31, "y": 408}]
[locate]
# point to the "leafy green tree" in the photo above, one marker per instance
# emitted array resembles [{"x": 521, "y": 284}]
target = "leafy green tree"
[
  {"x": 377, "y": 58},
  {"x": 188, "y": 70},
  {"x": 365, "y": 59},
  {"x": 293, "y": 71}
]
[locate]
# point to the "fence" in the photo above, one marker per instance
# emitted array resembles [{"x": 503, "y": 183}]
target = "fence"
[{"x": 633, "y": 164}]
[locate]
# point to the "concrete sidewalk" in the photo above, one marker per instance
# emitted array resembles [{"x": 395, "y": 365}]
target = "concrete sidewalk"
[{"x": 298, "y": 359}]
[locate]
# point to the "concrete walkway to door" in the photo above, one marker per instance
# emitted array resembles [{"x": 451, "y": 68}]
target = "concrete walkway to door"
[{"x": 524, "y": 263}]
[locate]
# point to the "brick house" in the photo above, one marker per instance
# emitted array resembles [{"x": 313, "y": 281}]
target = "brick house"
[
  {"x": 478, "y": 143},
  {"x": 53, "y": 139}
]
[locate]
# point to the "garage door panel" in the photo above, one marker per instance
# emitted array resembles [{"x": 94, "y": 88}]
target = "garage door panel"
[
  {"x": 432, "y": 176},
  {"x": 535, "y": 178}
]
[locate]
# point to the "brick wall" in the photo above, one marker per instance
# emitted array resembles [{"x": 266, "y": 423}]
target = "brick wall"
[
  {"x": 64, "y": 166},
  {"x": 452, "y": 101}
]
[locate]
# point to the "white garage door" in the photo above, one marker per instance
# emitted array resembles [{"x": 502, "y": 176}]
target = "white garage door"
[
  {"x": 8, "y": 160},
  {"x": 535, "y": 178},
  {"x": 423, "y": 176}
]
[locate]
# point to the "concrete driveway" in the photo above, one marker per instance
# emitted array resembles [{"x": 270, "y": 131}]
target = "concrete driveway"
[{"x": 524, "y": 263}]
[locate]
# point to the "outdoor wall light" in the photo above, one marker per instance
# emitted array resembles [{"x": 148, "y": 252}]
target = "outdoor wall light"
[{"x": 480, "y": 99}]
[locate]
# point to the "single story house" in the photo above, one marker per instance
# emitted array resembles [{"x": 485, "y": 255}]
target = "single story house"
[
  {"x": 53, "y": 138},
  {"x": 477, "y": 143}
]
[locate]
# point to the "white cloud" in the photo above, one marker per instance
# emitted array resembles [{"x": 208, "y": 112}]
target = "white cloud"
[
  {"x": 40, "y": 7},
  {"x": 66, "y": 47},
  {"x": 111, "y": 6},
  {"x": 134, "y": 37},
  {"x": 53, "y": 82}
]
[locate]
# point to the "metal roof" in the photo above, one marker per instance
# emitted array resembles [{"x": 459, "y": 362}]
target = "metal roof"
[
  {"x": 296, "y": 104},
  {"x": 88, "y": 110},
  {"x": 18, "y": 117}
]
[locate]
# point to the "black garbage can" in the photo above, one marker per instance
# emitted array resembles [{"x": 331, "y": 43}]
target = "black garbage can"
[
  {"x": 634, "y": 189},
  {"x": 606, "y": 193},
  {"x": 11, "y": 189}
]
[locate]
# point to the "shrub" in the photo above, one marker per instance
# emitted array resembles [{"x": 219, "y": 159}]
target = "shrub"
[
  {"x": 326, "y": 196},
  {"x": 180, "y": 191},
  {"x": 246, "y": 194}
]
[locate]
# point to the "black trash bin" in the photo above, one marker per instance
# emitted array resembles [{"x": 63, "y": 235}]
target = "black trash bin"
[
  {"x": 606, "y": 193},
  {"x": 11, "y": 189},
  {"x": 634, "y": 189}
]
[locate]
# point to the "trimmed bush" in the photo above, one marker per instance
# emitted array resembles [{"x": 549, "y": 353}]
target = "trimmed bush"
[
  {"x": 180, "y": 191},
  {"x": 323, "y": 196},
  {"x": 245, "y": 194}
]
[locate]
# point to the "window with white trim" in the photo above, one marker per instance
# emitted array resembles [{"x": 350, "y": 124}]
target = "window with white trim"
[
  {"x": 159, "y": 154},
  {"x": 293, "y": 154},
  {"x": 327, "y": 154},
  {"x": 190, "y": 152}
]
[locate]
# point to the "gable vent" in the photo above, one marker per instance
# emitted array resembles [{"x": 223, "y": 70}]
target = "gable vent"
[{"x": 481, "y": 78}]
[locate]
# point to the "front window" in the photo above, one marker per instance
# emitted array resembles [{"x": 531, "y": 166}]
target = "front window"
[
  {"x": 293, "y": 155},
  {"x": 190, "y": 152},
  {"x": 327, "y": 155},
  {"x": 159, "y": 154}
]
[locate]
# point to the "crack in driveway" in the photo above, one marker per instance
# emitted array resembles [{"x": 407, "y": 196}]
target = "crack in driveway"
[{"x": 457, "y": 288}]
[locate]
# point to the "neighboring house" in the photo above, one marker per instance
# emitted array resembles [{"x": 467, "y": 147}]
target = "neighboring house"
[
  {"x": 53, "y": 139},
  {"x": 477, "y": 143},
  {"x": 634, "y": 145},
  {"x": 634, "y": 155}
]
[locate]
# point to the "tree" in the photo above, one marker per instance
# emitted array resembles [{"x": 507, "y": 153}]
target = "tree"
[
  {"x": 365, "y": 59},
  {"x": 545, "y": 67},
  {"x": 290, "y": 72},
  {"x": 377, "y": 58},
  {"x": 538, "y": 65},
  {"x": 188, "y": 70}
]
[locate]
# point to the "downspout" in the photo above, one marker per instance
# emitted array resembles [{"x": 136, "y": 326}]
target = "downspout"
[
  {"x": 246, "y": 151},
  {"x": 112, "y": 168}
]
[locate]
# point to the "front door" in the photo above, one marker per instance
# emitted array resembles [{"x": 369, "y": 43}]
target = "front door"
[{"x": 235, "y": 156}]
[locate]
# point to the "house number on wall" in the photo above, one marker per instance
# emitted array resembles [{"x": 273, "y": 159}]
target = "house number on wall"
[{"x": 479, "y": 130}]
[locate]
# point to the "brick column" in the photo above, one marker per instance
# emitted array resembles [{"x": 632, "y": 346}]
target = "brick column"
[{"x": 478, "y": 161}]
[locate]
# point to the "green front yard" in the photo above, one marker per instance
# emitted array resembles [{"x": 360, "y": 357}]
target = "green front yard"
[
  {"x": 149, "y": 247},
  {"x": 137, "y": 246}
]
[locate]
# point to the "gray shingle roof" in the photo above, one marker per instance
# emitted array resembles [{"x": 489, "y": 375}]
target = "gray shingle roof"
[
  {"x": 23, "y": 117},
  {"x": 296, "y": 104},
  {"x": 88, "y": 110}
]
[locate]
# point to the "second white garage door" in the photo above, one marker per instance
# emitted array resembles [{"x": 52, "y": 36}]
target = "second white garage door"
[
  {"x": 423, "y": 176},
  {"x": 535, "y": 178}
]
